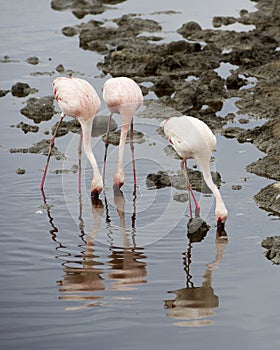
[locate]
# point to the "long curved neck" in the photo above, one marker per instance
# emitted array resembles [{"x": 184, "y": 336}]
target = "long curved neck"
[
  {"x": 205, "y": 167},
  {"x": 86, "y": 130}
]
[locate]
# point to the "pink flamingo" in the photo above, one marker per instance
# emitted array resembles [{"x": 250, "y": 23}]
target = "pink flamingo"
[
  {"x": 77, "y": 98},
  {"x": 192, "y": 138},
  {"x": 123, "y": 96}
]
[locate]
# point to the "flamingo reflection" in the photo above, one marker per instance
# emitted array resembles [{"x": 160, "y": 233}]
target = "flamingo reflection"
[
  {"x": 87, "y": 278},
  {"x": 84, "y": 273},
  {"x": 127, "y": 266},
  {"x": 194, "y": 306}
]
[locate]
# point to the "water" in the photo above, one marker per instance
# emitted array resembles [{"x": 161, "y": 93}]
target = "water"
[{"x": 99, "y": 277}]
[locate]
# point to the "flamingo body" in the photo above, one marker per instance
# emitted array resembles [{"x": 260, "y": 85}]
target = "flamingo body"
[
  {"x": 76, "y": 97},
  {"x": 192, "y": 138},
  {"x": 189, "y": 136},
  {"x": 122, "y": 96}
]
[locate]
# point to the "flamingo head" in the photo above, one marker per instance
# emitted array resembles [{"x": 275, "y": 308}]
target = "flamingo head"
[
  {"x": 119, "y": 177},
  {"x": 96, "y": 186},
  {"x": 221, "y": 218}
]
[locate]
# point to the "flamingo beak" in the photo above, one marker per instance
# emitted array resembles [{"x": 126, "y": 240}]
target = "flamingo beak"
[{"x": 221, "y": 233}]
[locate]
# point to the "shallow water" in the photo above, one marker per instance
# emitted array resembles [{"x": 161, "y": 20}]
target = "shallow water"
[{"x": 99, "y": 276}]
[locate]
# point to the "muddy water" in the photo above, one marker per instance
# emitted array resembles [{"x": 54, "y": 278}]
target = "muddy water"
[{"x": 122, "y": 272}]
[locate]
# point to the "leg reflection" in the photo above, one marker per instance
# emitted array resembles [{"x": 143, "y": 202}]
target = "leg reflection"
[{"x": 126, "y": 261}]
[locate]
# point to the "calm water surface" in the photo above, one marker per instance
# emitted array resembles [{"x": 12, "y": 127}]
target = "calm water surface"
[{"x": 121, "y": 273}]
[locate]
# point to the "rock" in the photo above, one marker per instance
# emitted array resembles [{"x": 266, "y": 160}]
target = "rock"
[
  {"x": 272, "y": 244},
  {"x": 269, "y": 198},
  {"x": 32, "y": 60},
  {"x": 236, "y": 187},
  {"x": 181, "y": 197},
  {"x": 267, "y": 166},
  {"x": 41, "y": 147},
  {"x": 114, "y": 137},
  {"x": 235, "y": 82},
  {"x": 177, "y": 180},
  {"x": 157, "y": 110},
  {"x": 82, "y": 8},
  {"x": 197, "y": 229},
  {"x": 73, "y": 170},
  {"x": 60, "y": 68},
  {"x": 20, "y": 171},
  {"x": 70, "y": 31},
  {"x": 158, "y": 180},
  {"x": 189, "y": 28},
  {"x": 164, "y": 86},
  {"x": 27, "y": 128},
  {"x": 39, "y": 109},
  {"x": 3, "y": 93},
  {"x": 218, "y": 21},
  {"x": 20, "y": 90},
  {"x": 100, "y": 125}
]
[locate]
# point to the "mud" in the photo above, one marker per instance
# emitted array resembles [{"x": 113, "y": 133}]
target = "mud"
[
  {"x": 27, "y": 127},
  {"x": 99, "y": 126},
  {"x": 39, "y": 109},
  {"x": 83, "y": 8},
  {"x": 20, "y": 171},
  {"x": 177, "y": 180},
  {"x": 272, "y": 244},
  {"x": 41, "y": 147},
  {"x": 22, "y": 89},
  {"x": 114, "y": 137}
]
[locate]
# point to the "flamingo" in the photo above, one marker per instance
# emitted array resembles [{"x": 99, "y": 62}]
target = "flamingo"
[
  {"x": 77, "y": 98},
  {"x": 192, "y": 138},
  {"x": 122, "y": 96}
]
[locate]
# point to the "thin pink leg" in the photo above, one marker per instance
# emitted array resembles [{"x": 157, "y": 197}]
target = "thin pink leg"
[
  {"x": 190, "y": 191},
  {"x": 106, "y": 147},
  {"x": 197, "y": 207},
  {"x": 190, "y": 204},
  {"x": 133, "y": 157},
  {"x": 80, "y": 163},
  {"x": 50, "y": 151}
]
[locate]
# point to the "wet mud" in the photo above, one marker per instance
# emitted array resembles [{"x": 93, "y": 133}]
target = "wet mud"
[{"x": 272, "y": 246}]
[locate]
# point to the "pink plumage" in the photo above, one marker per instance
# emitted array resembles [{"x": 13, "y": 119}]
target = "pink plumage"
[
  {"x": 122, "y": 95},
  {"x": 76, "y": 97}
]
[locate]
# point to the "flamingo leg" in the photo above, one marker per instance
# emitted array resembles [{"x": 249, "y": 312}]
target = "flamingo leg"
[
  {"x": 80, "y": 163},
  {"x": 133, "y": 157},
  {"x": 119, "y": 174},
  {"x": 190, "y": 191},
  {"x": 50, "y": 150},
  {"x": 106, "y": 147},
  {"x": 197, "y": 207},
  {"x": 185, "y": 172}
]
